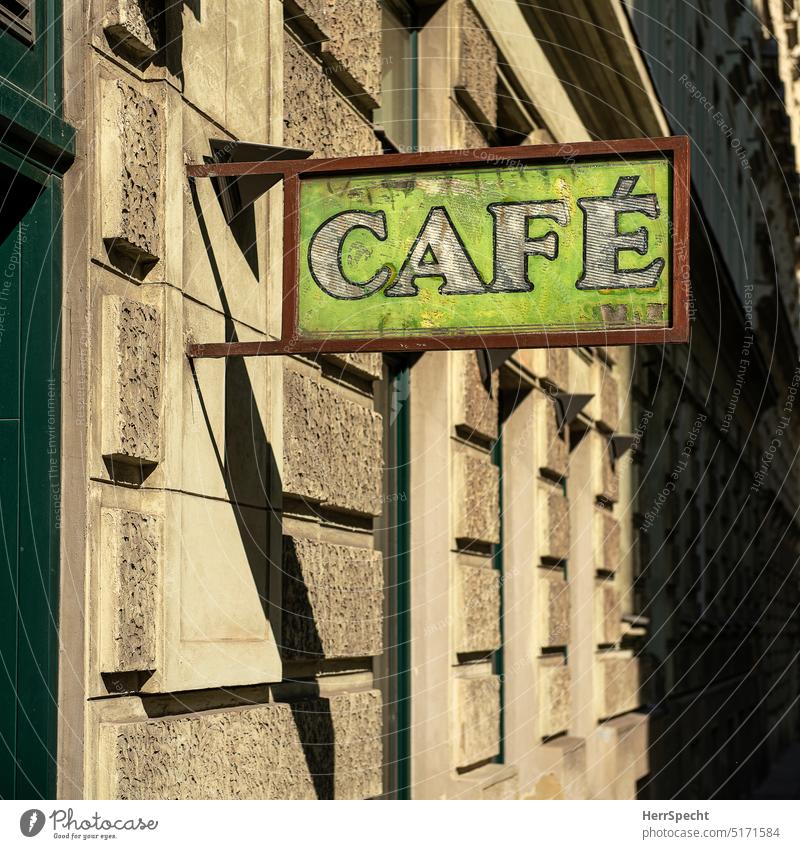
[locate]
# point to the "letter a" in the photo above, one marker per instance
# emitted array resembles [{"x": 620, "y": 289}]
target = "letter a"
[{"x": 449, "y": 260}]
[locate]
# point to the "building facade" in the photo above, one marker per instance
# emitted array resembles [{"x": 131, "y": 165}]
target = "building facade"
[{"x": 366, "y": 576}]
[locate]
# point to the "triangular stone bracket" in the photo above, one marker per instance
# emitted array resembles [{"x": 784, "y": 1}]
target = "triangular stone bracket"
[
  {"x": 569, "y": 406},
  {"x": 238, "y": 193}
]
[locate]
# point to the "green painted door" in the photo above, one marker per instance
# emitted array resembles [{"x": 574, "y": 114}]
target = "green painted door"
[{"x": 29, "y": 477}]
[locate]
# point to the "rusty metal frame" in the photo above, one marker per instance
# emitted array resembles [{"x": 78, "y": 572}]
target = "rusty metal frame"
[{"x": 674, "y": 148}]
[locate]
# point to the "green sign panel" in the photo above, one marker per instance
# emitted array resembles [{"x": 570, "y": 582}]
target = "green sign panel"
[{"x": 531, "y": 248}]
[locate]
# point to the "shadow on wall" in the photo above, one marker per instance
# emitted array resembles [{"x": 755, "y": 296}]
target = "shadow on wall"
[{"x": 238, "y": 460}]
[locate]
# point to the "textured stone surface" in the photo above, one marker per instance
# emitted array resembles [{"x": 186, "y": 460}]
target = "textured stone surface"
[
  {"x": 609, "y": 399},
  {"x": 315, "y": 115},
  {"x": 477, "y": 499},
  {"x": 343, "y": 742},
  {"x": 552, "y": 365},
  {"x": 472, "y": 136},
  {"x": 248, "y": 753},
  {"x": 552, "y": 453},
  {"x": 132, "y": 398},
  {"x": 554, "y": 679},
  {"x": 476, "y": 408},
  {"x": 132, "y": 173},
  {"x": 477, "y": 608},
  {"x": 366, "y": 365},
  {"x": 607, "y": 540},
  {"x": 353, "y": 50},
  {"x": 136, "y": 25},
  {"x": 618, "y": 683},
  {"x": 606, "y": 481},
  {"x": 332, "y": 448},
  {"x": 554, "y": 522},
  {"x": 505, "y": 789},
  {"x": 332, "y": 600},
  {"x": 132, "y": 576},
  {"x": 478, "y": 64},
  {"x": 477, "y": 717},
  {"x": 608, "y": 615},
  {"x": 554, "y": 593}
]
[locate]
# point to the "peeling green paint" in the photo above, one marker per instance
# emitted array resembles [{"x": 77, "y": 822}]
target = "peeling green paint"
[{"x": 554, "y": 303}]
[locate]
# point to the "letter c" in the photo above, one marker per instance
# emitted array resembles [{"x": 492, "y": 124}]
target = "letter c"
[{"x": 325, "y": 254}]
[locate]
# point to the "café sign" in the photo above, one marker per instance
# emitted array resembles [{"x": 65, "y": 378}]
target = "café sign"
[{"x": 544, "y": 246}]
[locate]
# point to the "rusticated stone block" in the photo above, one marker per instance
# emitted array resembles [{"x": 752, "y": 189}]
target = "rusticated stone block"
[
  {"x": 332, "y": 600},
  {"x": 554, "y": 593},
  {"x": 477, "y": 608},
  {"x": 471, "y": 135},
  {"x": 608, "y": 390},
  {"x": 316, "y": 117},
  {"x": 136, "y": 26},
  {"x": 618, "y": 688},
  {"x": 477, "y": 718},
  {"x": 352, "y": 43},
  {"x": 606, "y": 540},
  {"x": 131, "y": 172},
  {"x": 132, "y": 381},
  {"x": 552, "y": 366},
  {"x": 477, "y": 499},
  {"x": 554, "y": 707},
  {"x": 130, "y": 583},
  {"x": 369, "y": 365},
  {"x": 476, "y": 408},
  {"x": 552, "y": 452},
  {"x": 478, "y": 65},
  {"x": 554, "y": 522},
  {"x": 608, "y": 615},
  {"x": 604, "y": 473},
  {"x": 243, "y": 753},
  {"x": 332, "y": 447},
  {"x": 343, "y": 741}
]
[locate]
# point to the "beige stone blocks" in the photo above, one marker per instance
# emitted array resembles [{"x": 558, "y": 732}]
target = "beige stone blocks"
[
  {"x": 332, "y": 446},
  {"x": 368, "y": 366},
  {"x": 607, "y": 392},
  {"x": 476, "y": 499},
  {"x": 552, "y": 366},
  {"x": 553, "y": 522},
  {"x": 135, "y": 26},
  {"x": 352, "y": 49},
  {"x": 477, "y": 608},
  {"x": 343, "y": 743},
  {"x": 332, "y": 600},
  {"x": 225, "y": 63},
  {"x": 554, "y": 701},
  {"x": 131, "y": 168},
  {"x": 617, "y": 685},
  {"x": 551, "y": 450},
  {"x": 240, "y": 753},
  {"x": 130, "y": 587},
  {"x": 605, "y": 480},
  {"x": 476, "y": 736},
  {"x": 132, "y": 378},
  {"x": 607, "y": 536},
  {"x": 476, "y": 411},
  {"x": 317, "y": 117},
  {"x": 608, "y": 614},
  {"x": 224, "y": 267},
  {"x": 555, "y": 607},
  {"x": 478, "y": 66}
]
